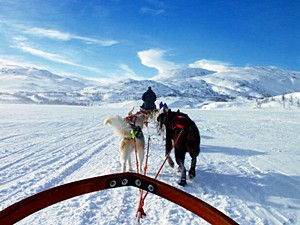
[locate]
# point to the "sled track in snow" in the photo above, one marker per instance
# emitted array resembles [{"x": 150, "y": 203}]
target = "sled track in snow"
[{"x": 247, "y": 167}]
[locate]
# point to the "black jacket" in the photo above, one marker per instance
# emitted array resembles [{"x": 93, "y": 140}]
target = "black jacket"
[{"x": 149, "y": 97}]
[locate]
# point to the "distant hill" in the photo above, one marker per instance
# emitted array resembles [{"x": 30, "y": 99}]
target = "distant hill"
[{"x": 190, "y": 87}]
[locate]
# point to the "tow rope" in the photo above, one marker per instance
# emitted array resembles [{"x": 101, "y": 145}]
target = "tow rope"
[
  {"x": 180, "y": 124},
  {"x": 140, "y": 211},
  {"x": 148, "y": 146}
]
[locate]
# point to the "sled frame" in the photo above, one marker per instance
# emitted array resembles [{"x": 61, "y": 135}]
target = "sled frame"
[{"x": 34, "y": 203}]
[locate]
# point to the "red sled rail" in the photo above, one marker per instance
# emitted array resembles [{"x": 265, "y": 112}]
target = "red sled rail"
[{"x": 34, "y": 203}]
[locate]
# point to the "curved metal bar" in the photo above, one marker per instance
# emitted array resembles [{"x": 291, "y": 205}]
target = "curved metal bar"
[{"x": 26, "y": 207}]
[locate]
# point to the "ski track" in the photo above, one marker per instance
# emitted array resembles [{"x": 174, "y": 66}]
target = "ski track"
[{"x": 243, "y": 168}]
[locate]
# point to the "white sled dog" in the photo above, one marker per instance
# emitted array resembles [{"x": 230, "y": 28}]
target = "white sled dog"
[{"x": 123, "y": 128}]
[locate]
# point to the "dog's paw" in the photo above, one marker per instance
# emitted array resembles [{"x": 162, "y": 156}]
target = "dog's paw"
[
  {"x": 191, "y": 177},
  {"x": 192, "y": 174},
  {"x": 182, "y": 182}
]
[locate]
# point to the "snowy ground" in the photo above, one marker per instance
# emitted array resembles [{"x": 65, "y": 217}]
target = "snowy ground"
[{"x": 248, "y": 167}]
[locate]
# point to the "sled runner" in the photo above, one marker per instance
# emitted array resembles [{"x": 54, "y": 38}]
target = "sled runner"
[{"x": 28, "y": 206}]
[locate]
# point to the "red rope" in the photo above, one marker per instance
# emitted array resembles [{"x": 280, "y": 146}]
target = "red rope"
[
  {"x": 142, "y": 199},
  {"x": 141, "y": 202},
  {"x": 167, "y": 156},
  {"x": 140, "y": 207},
  {"x": 147, "y": 156}
]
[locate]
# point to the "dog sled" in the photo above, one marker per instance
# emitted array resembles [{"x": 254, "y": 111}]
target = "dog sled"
[{"x": 39, "y": 201}]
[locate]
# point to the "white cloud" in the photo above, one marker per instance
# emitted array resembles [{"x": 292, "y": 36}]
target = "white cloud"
[
  {"x": 154, "y": 58},
  {"x": 13, "y": 61},
  {"x": 53, "y": 34},
  {"x": 210, "y": 65},
  {"x": 154, "y": 12},
  {"x": 58, "y": 35},
  {"x": 95, "y": 41},
  {"x": 155, "y": 7},
  {"x": 20, "y": 38},
  {"x": 53, "y": 57}
]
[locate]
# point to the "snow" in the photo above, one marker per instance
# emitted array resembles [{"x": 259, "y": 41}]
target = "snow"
[
  {"x": 248, "y": 167},
  {"x": 192, "y": 87}
]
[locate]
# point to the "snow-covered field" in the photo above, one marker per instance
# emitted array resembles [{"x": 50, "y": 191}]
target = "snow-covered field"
[{"x": 248, "y": 167}]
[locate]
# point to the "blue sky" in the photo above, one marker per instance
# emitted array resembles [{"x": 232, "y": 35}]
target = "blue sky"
[{"x": 142, "y": 38}]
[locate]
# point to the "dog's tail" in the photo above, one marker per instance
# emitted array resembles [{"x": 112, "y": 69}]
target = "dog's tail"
[{"x": 121, "y": 127}]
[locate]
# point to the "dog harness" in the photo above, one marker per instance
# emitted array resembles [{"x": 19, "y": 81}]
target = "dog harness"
[
  {"x": 136, "y": 132},
  {"x": 180, "y": 122},
  {"x": 131, "y": 120}
]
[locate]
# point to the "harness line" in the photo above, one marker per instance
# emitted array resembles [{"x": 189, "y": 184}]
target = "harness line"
[
  {"x": 140, "y": 211},
  {"x": 148, "y": 145},
  {"x": 137, "y": 169}
]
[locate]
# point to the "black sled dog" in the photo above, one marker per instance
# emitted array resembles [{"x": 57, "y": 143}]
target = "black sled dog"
[{"x": 183, "y": 133}]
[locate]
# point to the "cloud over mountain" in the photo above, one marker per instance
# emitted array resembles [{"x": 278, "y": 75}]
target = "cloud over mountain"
[
  {"x": 210, "y": 65},
  {"x": 155, "y": 58}
]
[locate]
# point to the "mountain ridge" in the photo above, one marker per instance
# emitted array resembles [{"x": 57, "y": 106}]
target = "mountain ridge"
[{"x": 192, "y": 87}]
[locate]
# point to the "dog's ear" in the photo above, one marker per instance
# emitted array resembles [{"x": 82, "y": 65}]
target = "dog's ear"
[{"x": 130, "y": 112}]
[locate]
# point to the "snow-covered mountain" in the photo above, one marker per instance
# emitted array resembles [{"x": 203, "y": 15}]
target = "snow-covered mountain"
[
  {"x": 189, "y": 87},
  {"x": 255, "y": 81}
]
